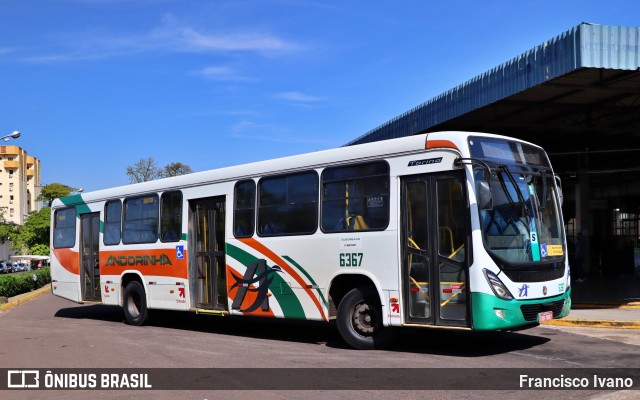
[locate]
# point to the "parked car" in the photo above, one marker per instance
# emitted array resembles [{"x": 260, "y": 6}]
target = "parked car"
[
  {"x": 19, "y": 267},
  {"x": 4, "y": 267}
]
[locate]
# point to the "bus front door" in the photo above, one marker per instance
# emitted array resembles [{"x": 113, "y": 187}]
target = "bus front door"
[
  {"x": 435, "y": 247},
  {"x": 207, "y": 257},
  {"x": 90, "y": 257}
]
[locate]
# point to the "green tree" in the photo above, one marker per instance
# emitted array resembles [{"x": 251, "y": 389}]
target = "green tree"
[
  {"x": 33, "y": 233},
  {"x": 53, "y": 191},
  {"x": 175, "y": 169},
  {"x": 40, "y": 250},
  {"x": 144, "y": 170},
  {"x": 7, "y": 231},
  {"x": 33, "y": 236}
]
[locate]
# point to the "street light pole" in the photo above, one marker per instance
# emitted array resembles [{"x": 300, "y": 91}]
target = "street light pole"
[
  {"x": 6, "y": 138},
  {"x": 14, "y": 135}
]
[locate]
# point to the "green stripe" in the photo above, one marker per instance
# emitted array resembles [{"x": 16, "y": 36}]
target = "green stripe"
[
  {"x": 535, "y": 246},
  {"x": 291, "y": 307},
  {"x": 535, "y": 250},
  {"x": 308, "y": 277},
  {"x": 77, "y": 201}
]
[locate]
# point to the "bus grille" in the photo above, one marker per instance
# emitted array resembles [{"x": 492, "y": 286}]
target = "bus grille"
[
  {"x": 534, "y": 276},
  {"x": 531, "y": 311}
]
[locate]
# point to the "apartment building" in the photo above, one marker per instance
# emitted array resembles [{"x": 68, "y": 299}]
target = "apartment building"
[{"x": 19, "y": 184}]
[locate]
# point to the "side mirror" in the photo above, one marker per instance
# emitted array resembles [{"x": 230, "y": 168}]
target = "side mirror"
[{"x": 485, "y": 197}]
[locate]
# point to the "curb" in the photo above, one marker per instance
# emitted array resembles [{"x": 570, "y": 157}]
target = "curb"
[
  {"x": 23, "y": 298},
  {"x": 594, "y": 323},
  {"x": 598, "y": 323},
  {"x": 603, "y": 305}
]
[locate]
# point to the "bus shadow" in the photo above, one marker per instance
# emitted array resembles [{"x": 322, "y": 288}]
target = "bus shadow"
[
  {"x": 464, "y": 343},
  {"x": 97, "y": 312},
  {"x": 411, "y": 340},
  {"x": 313, "y": 332}
]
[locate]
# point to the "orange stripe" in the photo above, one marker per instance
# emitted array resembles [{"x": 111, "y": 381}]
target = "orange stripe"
[
  {"x": 251, "y": 242},
  {"x": 68, "y": 259},
  {"x": 177, "y": 268},
  {"x": 434, "y": 144},
  {"x": 249, "y": 298}
]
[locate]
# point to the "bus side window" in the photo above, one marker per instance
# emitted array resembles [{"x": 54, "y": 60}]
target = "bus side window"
[
  {"x": 288, "y": 204},
  {"x": 244, "y": 208},
  {"x": 140, "y": 219},
  {"x": 355, "y": 197},
  {"x": 171, "y": 217},
  {"x": 112, "y": 222},
  {"x": 64, "y": 229}
]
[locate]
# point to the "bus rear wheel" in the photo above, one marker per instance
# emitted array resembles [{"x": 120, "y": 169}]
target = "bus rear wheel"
[
  {"x": 359, "y": 320},
  {"x": 135, "y": 304}
]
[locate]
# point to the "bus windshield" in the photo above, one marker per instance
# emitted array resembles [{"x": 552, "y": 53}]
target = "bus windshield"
[{"x": 524, "y": 225}]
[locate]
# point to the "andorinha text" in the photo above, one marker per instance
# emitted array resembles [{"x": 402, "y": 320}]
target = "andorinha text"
[{"x": 131, "y": 261}]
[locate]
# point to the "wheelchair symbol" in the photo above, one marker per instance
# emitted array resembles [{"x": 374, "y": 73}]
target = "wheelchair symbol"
[{"x": 543, "y": 250}]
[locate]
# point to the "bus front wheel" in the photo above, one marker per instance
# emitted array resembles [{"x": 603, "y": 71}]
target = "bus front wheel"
[
  {"x": 135, "y": 304},
  {"x": 359, "y": 320}
]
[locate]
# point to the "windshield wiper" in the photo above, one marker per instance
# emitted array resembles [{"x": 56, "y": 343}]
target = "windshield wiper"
[
  {"x": 525, "y": 209},
  {"x": 543, "y": 203}
]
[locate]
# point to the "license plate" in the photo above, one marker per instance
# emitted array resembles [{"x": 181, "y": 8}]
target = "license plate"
[{"x": 545, "y": 316}]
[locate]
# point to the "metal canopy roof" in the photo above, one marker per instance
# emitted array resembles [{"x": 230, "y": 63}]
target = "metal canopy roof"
[{"x": 575, "y": 94}]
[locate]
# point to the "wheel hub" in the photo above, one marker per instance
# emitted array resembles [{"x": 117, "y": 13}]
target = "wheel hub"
[{"x": 363, "y": 321}]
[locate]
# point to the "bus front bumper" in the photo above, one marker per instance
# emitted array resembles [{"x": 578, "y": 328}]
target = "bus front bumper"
[{"x": 492, "y": 313}]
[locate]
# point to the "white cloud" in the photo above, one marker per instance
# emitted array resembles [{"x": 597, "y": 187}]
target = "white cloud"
[
  {"x": 178, "y": 36},
  {"x": 272, "y": 133},
  {"x": 197, "y": 41},
  {"x": 298, "y": 97},
  {"x": 94, "y": 54},
  {"x": 215, "y": 71},
  {"x": 221, "y": 73},
  {"x": 171, "y": 36}
]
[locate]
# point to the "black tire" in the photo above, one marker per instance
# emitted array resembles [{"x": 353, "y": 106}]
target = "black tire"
[
  {"x": 359, "y": 320},
  {"x": 134, "y": 304}
]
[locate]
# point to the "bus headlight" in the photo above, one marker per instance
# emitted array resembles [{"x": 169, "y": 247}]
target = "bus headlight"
[{"x": 499, "y": 289}]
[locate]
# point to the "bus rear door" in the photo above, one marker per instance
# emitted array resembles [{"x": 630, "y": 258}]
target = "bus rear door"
[
  {"x": 207, "y": 255},
  {"x": 90, "y": 256}
]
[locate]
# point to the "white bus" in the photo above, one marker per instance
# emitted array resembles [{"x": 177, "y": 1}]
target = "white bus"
[{"x": 442, "y": 230}]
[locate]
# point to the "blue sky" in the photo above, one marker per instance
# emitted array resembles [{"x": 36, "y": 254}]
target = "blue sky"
[{"x": 95, "y": 85}]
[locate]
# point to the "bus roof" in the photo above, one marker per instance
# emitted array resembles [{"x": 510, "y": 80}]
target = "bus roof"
[{"x": 366, "y": 151}]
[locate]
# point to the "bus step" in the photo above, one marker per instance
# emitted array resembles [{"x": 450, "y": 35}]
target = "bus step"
[{"x": 217, "y": 313}]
